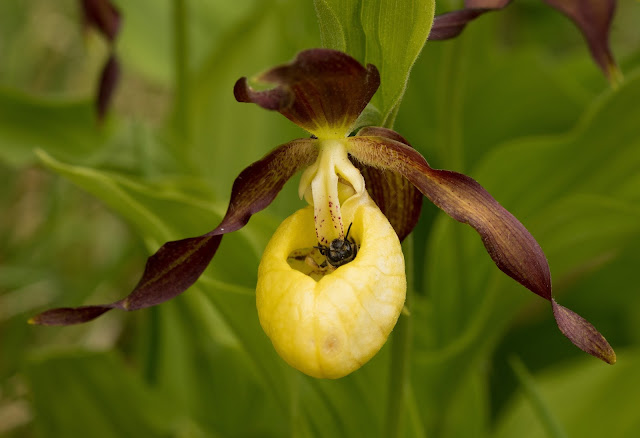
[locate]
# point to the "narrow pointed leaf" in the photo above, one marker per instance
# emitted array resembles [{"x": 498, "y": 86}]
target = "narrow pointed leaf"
[
  {"x": 451, "y": 24},
  {"x": 396, "y": 197},
  {"x": 82, "y": 393},
  {"x": 65, "y": 128},
  {"x": 178, "y": 264},
  {"x": 387, "y": 34},
  {"x": 593, "y": 18},
  {"x": 394, "y": 35},
  {"x": 323, "y": 91},
  {"x": 512, "y": 248}
]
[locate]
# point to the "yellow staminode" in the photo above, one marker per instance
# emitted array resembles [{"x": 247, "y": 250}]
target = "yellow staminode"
[{"x": 331, "y": 327}]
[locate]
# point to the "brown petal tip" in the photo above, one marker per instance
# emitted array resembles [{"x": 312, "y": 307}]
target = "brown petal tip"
[
  {"x": 275, "y": 100},
  {"x": 582, "y": 333},
  {"x": 69, "y": 315},
  {"x": 322, "y": 90},
  {"x": 451, "y": 24},
  {"x": 593, "y": 18}
]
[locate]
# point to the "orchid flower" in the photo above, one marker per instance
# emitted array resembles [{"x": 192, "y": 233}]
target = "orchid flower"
[{"x": 331, "y": 281}]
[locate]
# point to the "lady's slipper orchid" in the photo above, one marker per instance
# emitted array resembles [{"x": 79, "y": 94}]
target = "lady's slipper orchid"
[{"x": 327, "y": 317}]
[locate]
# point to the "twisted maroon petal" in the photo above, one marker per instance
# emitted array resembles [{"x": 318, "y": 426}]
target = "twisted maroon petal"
[
  {"x": 398, "y": 199},
  {"x": 178, "y": 264},
  {"x": 582, "y": 333},
  {"x": 512, "y": 248},
  {"x": 323, "y": 91}
]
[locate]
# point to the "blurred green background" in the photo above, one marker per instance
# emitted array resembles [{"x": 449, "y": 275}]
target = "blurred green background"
[{"x": 515, "y": 102}]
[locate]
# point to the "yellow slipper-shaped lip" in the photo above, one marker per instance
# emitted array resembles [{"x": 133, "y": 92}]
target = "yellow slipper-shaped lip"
[{"x": 331, "y": 327}]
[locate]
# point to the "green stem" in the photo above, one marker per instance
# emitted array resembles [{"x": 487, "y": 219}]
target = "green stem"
[
  {"x": 414, "y": 414},
  {"x": 153, "y": 347},
  {"x": 181, "y": 63},
  {"x": 450, "y": 101},
  {"x": 532, "y": 392},
  {"x": 400, "y": 354},
  {"x": 299, "y": 424}
]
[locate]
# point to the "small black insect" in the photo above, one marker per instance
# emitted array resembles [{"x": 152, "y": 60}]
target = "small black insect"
[{"x": 339, "y": 251}]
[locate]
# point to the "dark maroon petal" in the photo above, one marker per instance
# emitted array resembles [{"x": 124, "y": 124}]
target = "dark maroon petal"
[
  {"x": 171, "y": 270},
  {"x": 510, "y": 245},
  {"x": 593, "y": 18},
  {"x": 451, "y": 24},
  {"x": 178, "y": 264},
  {"x": 323, "y": 91},
  {"x": 583, "y": 334},
  {"x": 102, "y": 15},
  {"x": 69, "y": 315},
  {"x": 107, "y": 85},
  {"x": 396, "y": 197}
]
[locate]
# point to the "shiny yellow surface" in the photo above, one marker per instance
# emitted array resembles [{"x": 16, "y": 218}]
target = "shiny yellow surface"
[{"x": 331, "y": 327}]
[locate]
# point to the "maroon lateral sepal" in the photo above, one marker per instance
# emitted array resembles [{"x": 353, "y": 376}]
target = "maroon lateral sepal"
[
  {"x": 509, "y": 244},
  {"x": 178, "y": 264},
  {"x": 398, "y": 199}
]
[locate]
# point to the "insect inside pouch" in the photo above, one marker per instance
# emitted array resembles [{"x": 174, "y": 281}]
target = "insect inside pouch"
[
  {"x": 339, "y": 251},
  {"x": 320, "y": 260}
]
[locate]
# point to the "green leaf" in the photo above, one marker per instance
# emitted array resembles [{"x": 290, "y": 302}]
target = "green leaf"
[
  {"x": 537, "y": 401},
  {"x": 332, "y": 34},
  {"x": 79, "y": 393},
  {"x": 573, "y": 192},
  {"x": 227, "y": 312},
  {"x": 146, "y": 38},
  {"x": 163, "y": 212},
  {"x": 587, "y": 400},
  {"x": 222, "y": 373},
  {"x": 227, "y": 135},
  {"x": 66, "y": 128},
  {"x": 388, "y": 34},
  {"x": 543, "y": 173},
  {"x": 468, "y": 93}
]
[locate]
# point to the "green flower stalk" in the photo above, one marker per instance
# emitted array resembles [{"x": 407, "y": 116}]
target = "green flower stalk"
[{"x": 331, "y": 282}]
